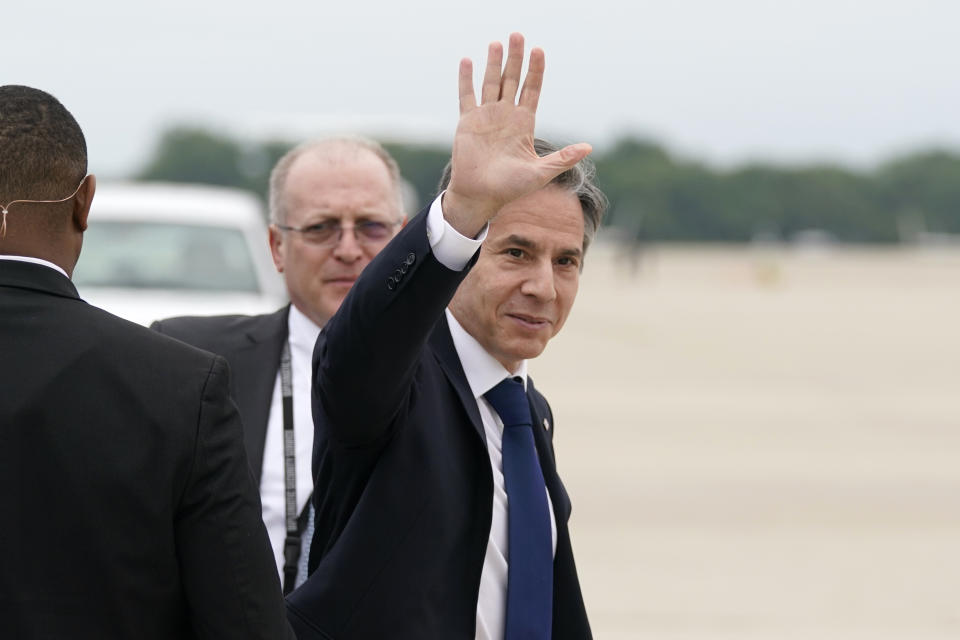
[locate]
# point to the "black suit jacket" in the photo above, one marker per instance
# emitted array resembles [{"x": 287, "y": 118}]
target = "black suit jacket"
[
  {"x": 252, "y": 346},
  {"x": 128, "y": 507},
  {"x": 403, "y": 485}
]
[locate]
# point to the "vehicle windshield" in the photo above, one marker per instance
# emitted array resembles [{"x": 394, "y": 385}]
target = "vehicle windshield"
[{"x": 158, "y": 255}]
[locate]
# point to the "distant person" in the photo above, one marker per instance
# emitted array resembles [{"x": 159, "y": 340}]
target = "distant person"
[
  {"x": 629, "y": 225},
  {"x": 631, "y": 246},
  {"x": 334, "y": 204},
  {"x": 129, "y": 510},
  {"x": 433, "y": 518}
]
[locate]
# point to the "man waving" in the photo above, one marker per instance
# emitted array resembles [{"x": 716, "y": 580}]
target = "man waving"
[{"x": 440, "y": 513}]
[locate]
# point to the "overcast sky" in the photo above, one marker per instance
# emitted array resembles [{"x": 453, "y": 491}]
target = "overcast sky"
[{"x": 725, "y": 81}]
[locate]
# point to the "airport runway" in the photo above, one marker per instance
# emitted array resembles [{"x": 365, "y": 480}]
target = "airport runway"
[{"x": 764, "y": 443}]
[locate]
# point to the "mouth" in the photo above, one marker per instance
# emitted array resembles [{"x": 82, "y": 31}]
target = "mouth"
[
  {"x": 531, "y": 323},
  {"x": 341, "y": 281}
]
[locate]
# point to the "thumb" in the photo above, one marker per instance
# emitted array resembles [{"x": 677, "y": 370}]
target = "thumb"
[{"x": 559, "y": 161}]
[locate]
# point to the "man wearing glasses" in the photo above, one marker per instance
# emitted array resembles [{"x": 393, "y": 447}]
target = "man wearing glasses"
[
  {"x": 128, "y": 507},
  {"x": 334, "y": 204}
]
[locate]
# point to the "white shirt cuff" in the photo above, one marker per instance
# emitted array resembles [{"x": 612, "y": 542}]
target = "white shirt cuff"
[{"x": 451, "y": 249}]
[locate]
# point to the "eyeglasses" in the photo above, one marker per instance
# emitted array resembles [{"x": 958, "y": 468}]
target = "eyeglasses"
[
  {"x": 4, "y": 208},
  {"x": 328, "y": 234}
]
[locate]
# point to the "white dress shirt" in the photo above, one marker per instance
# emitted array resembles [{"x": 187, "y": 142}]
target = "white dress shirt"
[
  {"x": 483, "y": 372},
  {"x": 302, "y": 335}
]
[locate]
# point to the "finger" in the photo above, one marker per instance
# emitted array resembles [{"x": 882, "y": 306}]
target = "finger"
[
  {"x": 557, "y": 162},
  {"x": 491, "y": 77},
  {"x": 468, "y": 100},
  {"x": 511, "y": 74},
  {"x": 530, "y": 95}
]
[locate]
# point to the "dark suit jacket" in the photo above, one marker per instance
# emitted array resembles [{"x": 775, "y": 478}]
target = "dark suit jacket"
[
  {"x": 128, "y": 507},
  {"x": 403, "y": 485},
  {"x": 252, "y": 347}
]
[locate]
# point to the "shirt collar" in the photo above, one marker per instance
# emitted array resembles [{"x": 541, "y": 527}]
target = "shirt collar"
[
  {"x": 302, "y": 331},
  {"x": 45, "y": 263},
  {"x": 483, "y": 371}
]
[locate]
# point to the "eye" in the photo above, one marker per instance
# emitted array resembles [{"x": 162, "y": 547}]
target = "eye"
[
  {"x": 320, "y": 227},
  {"x": 514, "y": 252},
  {"x": 568, "y": 261},
  {"x": 372, "y": 229},
  {"x": 322, "y": 232}
]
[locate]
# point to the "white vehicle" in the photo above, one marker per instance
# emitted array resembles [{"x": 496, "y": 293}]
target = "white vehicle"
[{"x": 155, "y": 250}]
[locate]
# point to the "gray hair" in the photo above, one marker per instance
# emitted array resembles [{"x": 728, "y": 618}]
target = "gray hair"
[
  {"x": 337, "y": 147},
  {"x": 580, "y": 180}
]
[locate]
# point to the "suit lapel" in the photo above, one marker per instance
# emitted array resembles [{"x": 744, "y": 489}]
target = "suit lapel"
[
  {"x": 254, "y": 368},
  {"x": 544, "y": 444},
  {"x": 446, "y": 353}
]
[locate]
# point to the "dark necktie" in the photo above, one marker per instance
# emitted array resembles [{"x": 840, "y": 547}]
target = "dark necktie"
[{"x": 530, "y": 562}]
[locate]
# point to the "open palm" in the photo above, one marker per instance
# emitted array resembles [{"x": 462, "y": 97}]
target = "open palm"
[{"x": 494, "y": 161}]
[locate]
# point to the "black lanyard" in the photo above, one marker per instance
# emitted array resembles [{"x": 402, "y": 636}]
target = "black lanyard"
[{"x": 291, "y": 546}]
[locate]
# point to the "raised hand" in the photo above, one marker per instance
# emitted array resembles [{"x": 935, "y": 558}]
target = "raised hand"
[{"x": 494, "y": 161}]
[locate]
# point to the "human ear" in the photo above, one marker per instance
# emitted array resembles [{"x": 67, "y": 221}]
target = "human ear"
[
  {"x": 275, "y": 236},
  {"x": 82, "y": 202}
]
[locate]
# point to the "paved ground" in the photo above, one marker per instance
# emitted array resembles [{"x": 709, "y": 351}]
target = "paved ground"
[{"x": 764, "y": 444}]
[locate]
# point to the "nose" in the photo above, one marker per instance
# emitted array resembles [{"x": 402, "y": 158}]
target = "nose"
[
  {"x": 539, "y": 281},
  {"x": 347, "y": 248}
]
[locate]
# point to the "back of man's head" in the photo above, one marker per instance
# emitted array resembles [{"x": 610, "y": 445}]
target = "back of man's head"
[
  {"x": 43, "y": 161},
  {"x": 43, "y": 154}
]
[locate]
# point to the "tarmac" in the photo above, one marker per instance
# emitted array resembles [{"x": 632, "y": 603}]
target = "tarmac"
[{"x": 763, "y": 442}]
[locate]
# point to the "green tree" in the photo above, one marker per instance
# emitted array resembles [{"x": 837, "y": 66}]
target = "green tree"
[
  {"x": 925, "y": 183},
  {"x": 653, "y": 194},
  {"x": 421, "y": 166}
]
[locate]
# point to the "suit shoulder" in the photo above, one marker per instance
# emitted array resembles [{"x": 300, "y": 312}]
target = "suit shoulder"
[
  {"x": 193, "y": 325},
  {"x": 133, "y": 340},
  {"x": 218, "y": 333}
]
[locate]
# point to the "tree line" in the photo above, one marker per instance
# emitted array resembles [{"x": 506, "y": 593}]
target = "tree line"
[{"x": 655, "y": 195}]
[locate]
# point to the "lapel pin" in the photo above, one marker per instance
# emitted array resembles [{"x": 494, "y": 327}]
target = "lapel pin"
[{"x": 546, "y": 424}]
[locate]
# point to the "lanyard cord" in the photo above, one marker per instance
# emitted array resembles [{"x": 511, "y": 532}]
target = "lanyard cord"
[{"x": 291, "y": 546}]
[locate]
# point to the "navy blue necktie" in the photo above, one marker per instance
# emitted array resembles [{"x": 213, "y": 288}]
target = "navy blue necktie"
[{"x": 530, "y": 563}]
